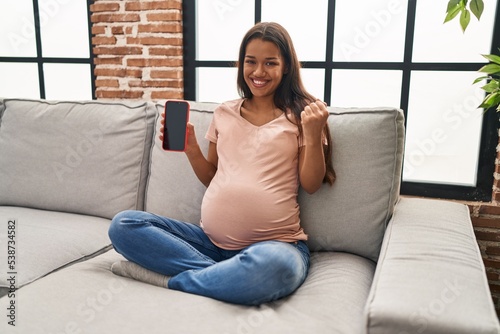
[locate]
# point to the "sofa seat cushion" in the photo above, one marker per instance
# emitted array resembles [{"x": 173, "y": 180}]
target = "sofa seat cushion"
[
  {"x": 88, "y": 298},
  {"x": 88, "y": 157},
  {"x": 46, "y": 241}
]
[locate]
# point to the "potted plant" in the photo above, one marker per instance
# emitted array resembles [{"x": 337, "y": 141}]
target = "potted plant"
[{"x": 492, "y": 69}]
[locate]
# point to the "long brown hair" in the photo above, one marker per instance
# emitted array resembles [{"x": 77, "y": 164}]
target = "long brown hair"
[{"x": 290, "y": 93}]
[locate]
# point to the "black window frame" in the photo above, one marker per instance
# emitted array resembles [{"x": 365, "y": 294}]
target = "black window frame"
[
  {"x": 40, "y": 60},
  {"x": 489, "y": 136}
]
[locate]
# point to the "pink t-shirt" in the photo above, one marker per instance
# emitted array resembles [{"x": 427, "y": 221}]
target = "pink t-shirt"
[{"x": 253, "y": 195}]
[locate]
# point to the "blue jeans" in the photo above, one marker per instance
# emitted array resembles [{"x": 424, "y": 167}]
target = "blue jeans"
[{"x": 260, "y": 273}]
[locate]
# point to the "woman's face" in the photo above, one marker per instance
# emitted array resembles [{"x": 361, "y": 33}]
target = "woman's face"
[{"x": 263, "y": 67}]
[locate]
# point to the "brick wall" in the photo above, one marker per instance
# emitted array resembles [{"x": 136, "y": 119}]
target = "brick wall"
[
  {"x": 138, "y": 49},
  {"x": 138, "y": 55},
  {"x": 486, "y": 223}
]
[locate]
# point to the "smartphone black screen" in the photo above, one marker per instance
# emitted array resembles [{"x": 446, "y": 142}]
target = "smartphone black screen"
[{"x": 176, "y": 118}]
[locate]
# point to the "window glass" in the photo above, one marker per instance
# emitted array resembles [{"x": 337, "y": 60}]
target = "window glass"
[
  {"x": 314, "y": 81},
  {"x": 216, "y": 84},
  {"x": 220, "y": 27},
  {"x": 64, "y": 28},
  {"x": 18, "y": 29},
  {"x": 304, "y": 21},
  {"x": 438, "y": 42},
  {"x": 67, "y": 81},
  {"x": 370, "y": 30},
  {"x": 19, "y": 80},
  {"x": 444, "y": 128},
  {"x": 366, "y": 88}
]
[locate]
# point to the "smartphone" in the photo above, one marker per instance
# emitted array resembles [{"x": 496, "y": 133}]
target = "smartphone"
[{"x": 175, "y": 127}]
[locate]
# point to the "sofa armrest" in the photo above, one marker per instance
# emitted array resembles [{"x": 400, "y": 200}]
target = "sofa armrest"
[{"x": 430, "y": 277}]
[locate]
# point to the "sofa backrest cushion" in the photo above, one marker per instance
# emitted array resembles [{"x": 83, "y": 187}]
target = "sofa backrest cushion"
[
  {"x": 350, "y": 216},
  {"x": 82, "y": 157}
]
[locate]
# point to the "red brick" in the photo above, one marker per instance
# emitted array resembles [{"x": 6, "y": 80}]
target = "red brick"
[
  {"x": 115, "y": 18},
  {"x": 107, "y": 83},
  {"x": 160, "y": 95},
  {"x": 168, "y": 51},
  {"x": 152, "y": 62},
  {"x": 98, "y": 30},
  {"x": 489, "y": 209},
  {"x": 119, "y": 94},
  {"x": 164, "y": 74},
  {"x": 109, "y": 72},
  {"x": 103, "y": 40},
  {"x": 493, "y": 250},
  {"x": 151, "y": 5},
  {"x": 118, "y": 50},
  {"x": 493, "y": 276},
  {"x": 108, "y": 61},
  {"x": 491, "y": 263},
  {"x": 157, "y": 83},
  {"x": 117, "y": 30},
  {"x": 163, "y": 17},
  {"x": 154, "y": 41},
  {"x": 104, "y": 7},
  {"x": 495, "y": 288},
  {"x": 160, "y": 28},
  {"x": 133, "y": 73},
  {"x": 117, "y": 72},
  {"x": 486, "y": 222},
  {"x": 487, "y": 236}
]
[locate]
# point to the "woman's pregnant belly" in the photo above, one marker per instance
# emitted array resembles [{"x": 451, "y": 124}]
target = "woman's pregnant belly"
[{"x": 236, "y": 215}]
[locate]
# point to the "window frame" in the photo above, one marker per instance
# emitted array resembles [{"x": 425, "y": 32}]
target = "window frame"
[
  {"x": 489, "y": 135},
  {"x": 40, "y": 60}
]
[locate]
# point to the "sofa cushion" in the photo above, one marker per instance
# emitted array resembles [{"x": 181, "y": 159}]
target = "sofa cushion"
[
  {"x": 82, "y": 157},
  {"x": 351, "y": 216},
  {"x": 45, "y": 241},
  {"x": 88, "y": 298}
]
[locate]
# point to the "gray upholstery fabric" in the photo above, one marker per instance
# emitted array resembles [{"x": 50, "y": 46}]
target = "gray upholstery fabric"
[
  {"x": 350, "y": 217},
  {"x": 430, "y": 277},
  {"x": 49, "y": 240},
  {"x": 89, "y": 298},
  {"x": 81, "y": 157}
]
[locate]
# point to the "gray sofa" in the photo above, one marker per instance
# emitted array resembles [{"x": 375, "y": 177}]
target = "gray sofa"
[{"x": 380, "y": 263}]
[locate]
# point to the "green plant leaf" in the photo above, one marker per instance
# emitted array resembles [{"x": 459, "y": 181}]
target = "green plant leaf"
[
  {"x": 491, "y": 86},
  {"x": 452, "y": 4},
  {"x": 477, "y": 7},
  {"x": 464, "y": 19},
  {"x": 491, "y": 100},
  {"x": 452, "y": 12},
  {"x": 480, "y": 79},
  {"x": 490, "y": 69},
  {"x": 493, "y": 58}
]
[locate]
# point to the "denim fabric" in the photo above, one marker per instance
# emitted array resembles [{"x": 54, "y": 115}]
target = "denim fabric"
[{"x": 260, "y": 273}]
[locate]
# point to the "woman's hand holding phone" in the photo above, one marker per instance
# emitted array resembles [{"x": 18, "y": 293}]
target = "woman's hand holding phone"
[{"x": 174, "y": 131}]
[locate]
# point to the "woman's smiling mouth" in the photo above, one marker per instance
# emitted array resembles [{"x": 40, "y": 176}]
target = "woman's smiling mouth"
[{"x": 259, "y": 83}]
